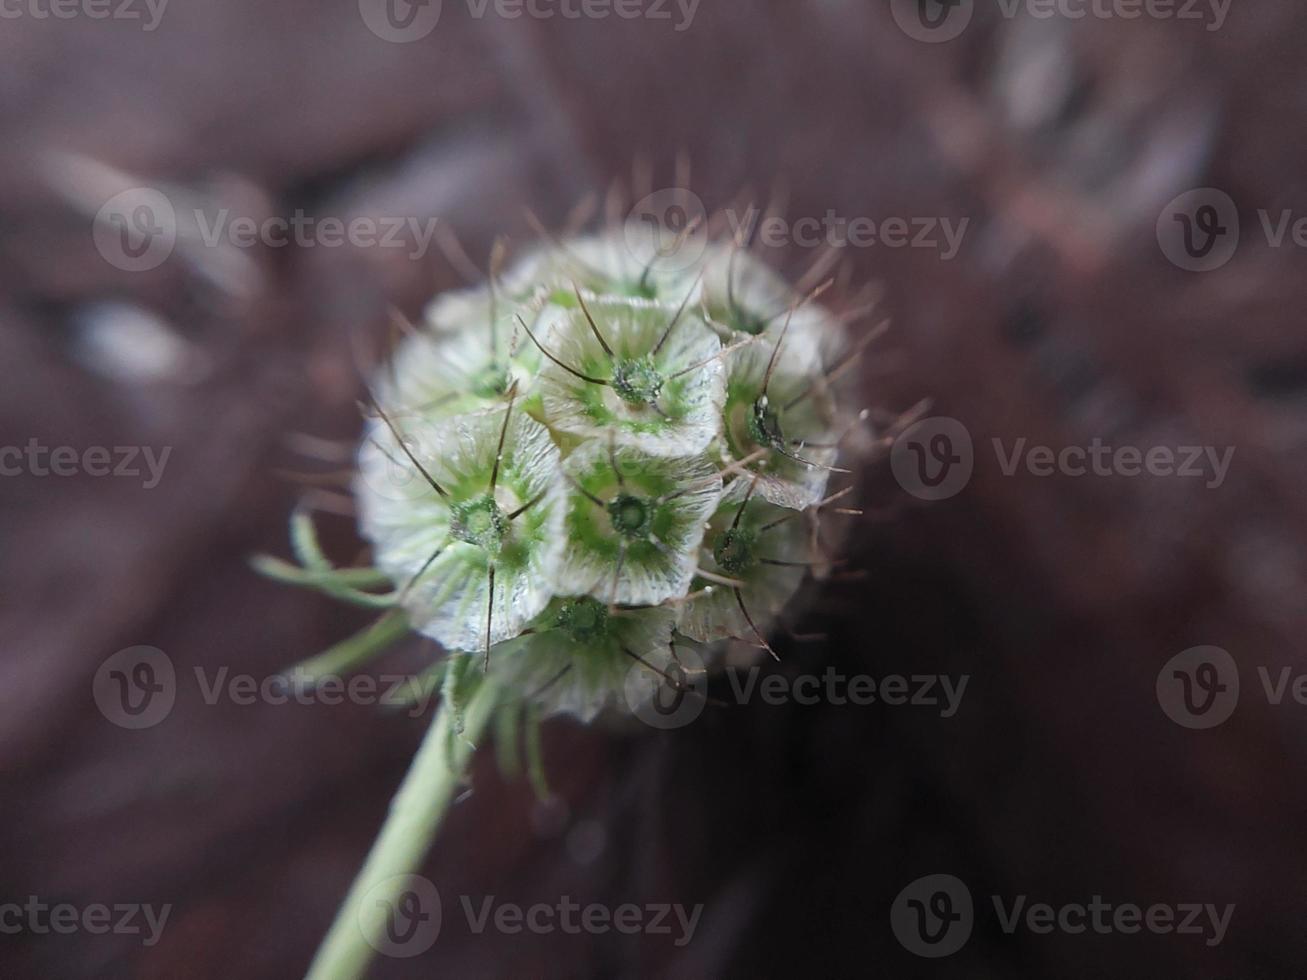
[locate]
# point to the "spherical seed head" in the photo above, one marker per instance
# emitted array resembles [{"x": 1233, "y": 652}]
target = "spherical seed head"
[
  {"x": 480, "y": 522},
  {"x": 637, "y": 381},
  {"x": 638, "y": 377},
  {"x": 631, "y": 515}
]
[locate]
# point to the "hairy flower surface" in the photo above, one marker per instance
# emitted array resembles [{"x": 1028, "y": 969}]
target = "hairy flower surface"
[
  {"x": 579, "y": 655},
  {"x": 649, "y": 374},
  {"x": 435, "y": 376},
  {"x": 778, "y": 404},
  {"x": 760, "y": 546},
  {"x": 617, "y": 446},
  {"x": 634, "y": 523},
  {"x": 470, "y": 534}
]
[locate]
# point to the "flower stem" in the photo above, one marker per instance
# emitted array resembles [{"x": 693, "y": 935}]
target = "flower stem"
[{"x": 415, "y": 815}]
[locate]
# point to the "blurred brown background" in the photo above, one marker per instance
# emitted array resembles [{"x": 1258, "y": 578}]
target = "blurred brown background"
[{"x": 1060, "y": 320}]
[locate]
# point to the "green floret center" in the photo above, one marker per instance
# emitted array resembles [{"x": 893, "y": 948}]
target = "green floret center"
[
  {"x": 765, "y": 425},
  {"x": 734, "y": 550},
  {"x": 637, "y": 381},
  {"x": 480, "y": 522},
  {"x": 585, "y": 620},
  {"x": 491, "y": 381},
  {"x": 631, "y": 516}
]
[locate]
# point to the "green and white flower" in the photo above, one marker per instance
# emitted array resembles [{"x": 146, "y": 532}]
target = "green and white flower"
[
  {"x": 634, "y": 523},
  {"x": 648, "y": 373},
  {"x": 606, "y": 458},
  {"x": 439, "y": 373},
  {"x": 758, "y": 545},
  {"x": 473, "y": 535},
  {"x": 576, "y": 656},
  {"x": 777, "y": 401}
]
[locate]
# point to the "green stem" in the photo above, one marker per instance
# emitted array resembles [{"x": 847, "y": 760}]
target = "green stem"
[{"x": 415, "y": 815}]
